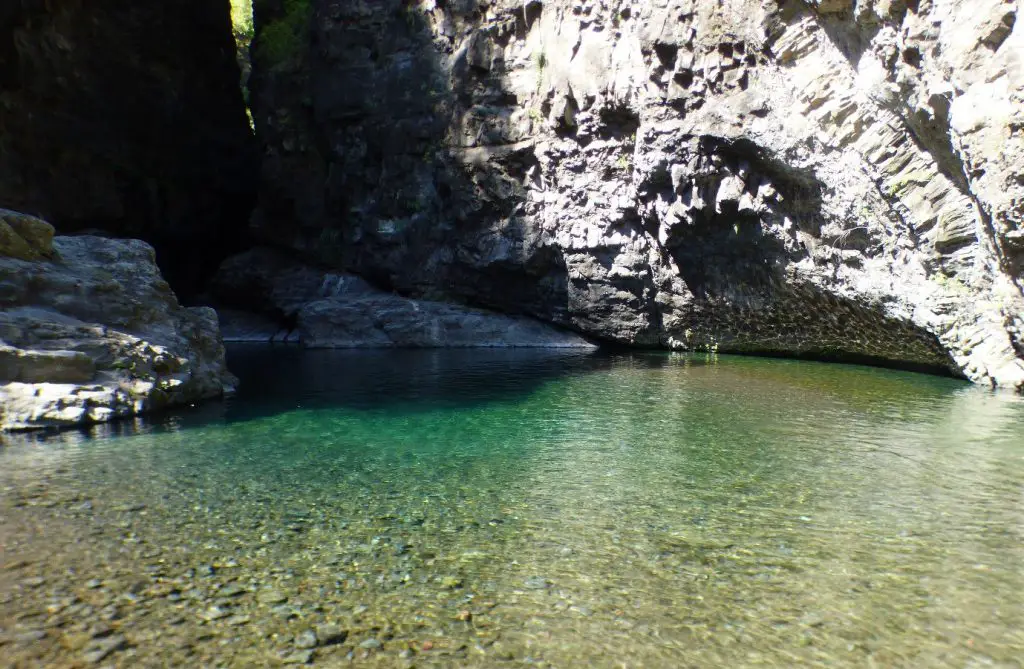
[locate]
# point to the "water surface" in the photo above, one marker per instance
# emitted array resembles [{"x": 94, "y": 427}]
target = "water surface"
[{"x": 497, "y": 508}]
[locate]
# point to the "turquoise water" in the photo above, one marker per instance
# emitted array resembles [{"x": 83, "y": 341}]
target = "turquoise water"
[{"x": 495, "y": 508}]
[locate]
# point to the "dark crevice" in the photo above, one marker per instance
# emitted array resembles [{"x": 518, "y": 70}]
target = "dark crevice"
[{"x": 154, "y": 146}]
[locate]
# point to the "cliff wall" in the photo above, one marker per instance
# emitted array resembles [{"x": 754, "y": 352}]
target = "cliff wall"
[{"x": 832, "y": 178}]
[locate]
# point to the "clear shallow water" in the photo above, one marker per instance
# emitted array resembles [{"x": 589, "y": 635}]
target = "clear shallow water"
[{"x": 494, "y": 508}]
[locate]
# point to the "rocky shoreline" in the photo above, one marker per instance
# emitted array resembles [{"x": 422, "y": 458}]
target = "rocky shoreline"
[
  {"x": 320, "y": 308},
  {"x": 90, "y": 331},
  {"x": 821, "y": 179}
]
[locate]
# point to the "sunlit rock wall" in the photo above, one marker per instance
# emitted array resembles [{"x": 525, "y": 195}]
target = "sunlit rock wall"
[
  {"x": 829, "y": 178},
  {"x": 90, "y": 331}
]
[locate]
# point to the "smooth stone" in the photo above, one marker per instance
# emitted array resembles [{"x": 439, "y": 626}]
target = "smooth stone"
[
  {"x": 74, "y": 641},
  {"x": 131, "y": 507},
  {"x": 29, "y": 637},
  {"x": 231, "y": 590},
  {"x": 371, "y": 644},
  {"x": 536, "y": 583},
  {"x": 105, "y": 647},
  {"x": 306, "y": 639},
  {"x": 286, "y": 612},
  {"x": 329, "y": 634},
  {"x": 299, "y": 657},
  {"x": 215, "y": 613},
  {"x": 271, "y": 597}
]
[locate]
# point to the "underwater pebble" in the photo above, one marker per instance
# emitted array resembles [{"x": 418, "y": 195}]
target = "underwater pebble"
[
  {"x": 215, "y": 613},
  {"x": 299, "y": 657},
  {"x": 271, "y": 597},
  {"x": 306, "y": 639},
  {"x": 105, "y": 647},
  {"x": 329, "y": 634},
  {"x": 231, "y": 590}
]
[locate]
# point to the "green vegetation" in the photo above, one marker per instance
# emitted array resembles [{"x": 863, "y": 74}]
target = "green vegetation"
[
  {"x": 541, "y": 61},
  {"x": 242, "y": 27},
  {"x": 241, "y": 22},
  {"x": 284, "y": 39}
]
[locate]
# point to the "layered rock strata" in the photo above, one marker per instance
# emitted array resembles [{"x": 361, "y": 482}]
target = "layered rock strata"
[
  {"x": 90, "y": 331},
  {"x": 326, "y": 309},
  {"x": 827, "y": 178}
]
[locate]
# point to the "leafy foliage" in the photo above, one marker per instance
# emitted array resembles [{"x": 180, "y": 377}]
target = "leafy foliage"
[{"x": 284, "y": 39}]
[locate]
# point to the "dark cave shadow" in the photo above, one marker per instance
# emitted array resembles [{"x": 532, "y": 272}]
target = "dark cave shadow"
[
  {"x": 412, "y": 134},
  {"x": 155, "y": 146},
  {"x": 726, "y": 253}
]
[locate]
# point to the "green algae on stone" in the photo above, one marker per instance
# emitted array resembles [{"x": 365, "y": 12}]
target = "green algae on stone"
[{"x": 25, "y": 237}]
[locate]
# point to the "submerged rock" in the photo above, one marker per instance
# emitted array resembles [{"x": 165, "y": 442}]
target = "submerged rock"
[{"x": 95, "y": 333}]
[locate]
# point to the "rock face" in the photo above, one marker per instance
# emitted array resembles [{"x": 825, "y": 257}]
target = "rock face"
[
  {"x": 127, "y": 117},
  {"x": 334, "y": 310},
  {"x": 92, "y": 332},
  {"x": 821, "y": 177}
]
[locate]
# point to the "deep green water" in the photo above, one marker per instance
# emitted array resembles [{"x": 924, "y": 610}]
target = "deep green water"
[{"x": 528, "y": 509}]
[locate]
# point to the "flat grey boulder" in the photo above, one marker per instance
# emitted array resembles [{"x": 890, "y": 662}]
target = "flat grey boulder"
[
  {"x": 94, "y": 333},
  {"x": 392, "y": 321},
  {"x": 287, "y": 300}
]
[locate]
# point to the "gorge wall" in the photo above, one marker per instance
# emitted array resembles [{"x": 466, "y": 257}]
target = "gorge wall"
[
  {"x": 835, "y": 179},
  {"x": 827, "y": 178},
  {"x": 126, "y": 118}
]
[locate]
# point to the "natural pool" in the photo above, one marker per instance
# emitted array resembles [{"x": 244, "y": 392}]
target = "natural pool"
[{"x": 530, "y": 508}]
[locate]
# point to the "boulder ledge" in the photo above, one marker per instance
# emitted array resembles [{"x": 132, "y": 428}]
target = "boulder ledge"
[{"x": 90, "y": 331}]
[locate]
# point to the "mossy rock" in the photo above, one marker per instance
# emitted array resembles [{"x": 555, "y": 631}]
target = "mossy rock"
[
  {"x": 25, "y": 237},
  {"x": 285, "y": 39}
]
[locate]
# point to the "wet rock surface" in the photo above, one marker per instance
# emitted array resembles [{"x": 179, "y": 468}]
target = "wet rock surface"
[
  {"x": 93, "y": 332},
  {"x": 837, "y": 180}
]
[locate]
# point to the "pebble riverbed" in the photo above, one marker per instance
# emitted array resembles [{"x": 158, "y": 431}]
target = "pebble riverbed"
[{"x": 632, "y": 512}]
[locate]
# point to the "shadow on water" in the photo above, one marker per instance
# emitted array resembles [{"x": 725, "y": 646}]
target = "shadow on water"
[
  {"x": 276, "y": 380},
  {"x": 397, "y": 380}
]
